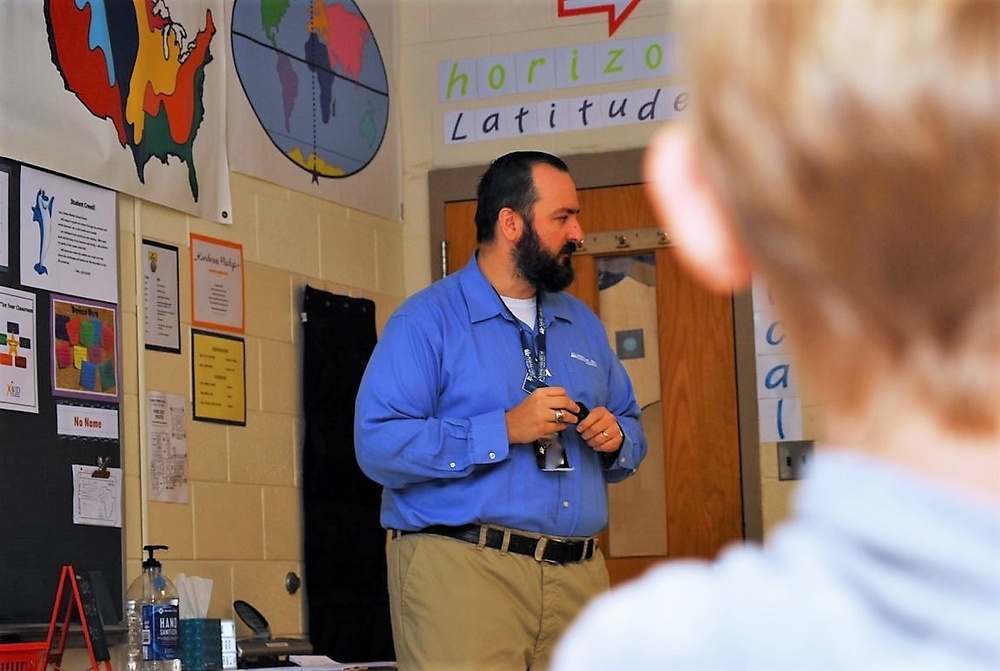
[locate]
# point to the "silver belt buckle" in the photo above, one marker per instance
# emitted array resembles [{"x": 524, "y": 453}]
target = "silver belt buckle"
[{"x": 540, "y": 548}]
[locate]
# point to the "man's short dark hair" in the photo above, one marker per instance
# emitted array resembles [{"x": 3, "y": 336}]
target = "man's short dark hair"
[{"x": 508, "y": 183}]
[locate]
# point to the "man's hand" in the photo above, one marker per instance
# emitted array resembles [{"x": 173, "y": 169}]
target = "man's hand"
[
  {"x": 543, "y": 412},
  {"x": 601, "y": 431}
]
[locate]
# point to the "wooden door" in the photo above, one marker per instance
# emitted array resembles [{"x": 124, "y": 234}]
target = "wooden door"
[{"x": 699, "y": 462}]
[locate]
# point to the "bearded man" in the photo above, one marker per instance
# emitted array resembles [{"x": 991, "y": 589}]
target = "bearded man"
[{"x": 494, "y": 412}]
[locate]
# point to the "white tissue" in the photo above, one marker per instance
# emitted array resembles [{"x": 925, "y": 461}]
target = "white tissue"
[{"x": 194, "y": 594}]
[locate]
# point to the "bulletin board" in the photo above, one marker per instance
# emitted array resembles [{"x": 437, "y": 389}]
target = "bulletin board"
[{"x": 64, "y": 419}]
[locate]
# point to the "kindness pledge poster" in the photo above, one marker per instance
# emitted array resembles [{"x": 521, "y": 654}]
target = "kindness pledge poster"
[{"x": 217, "y": 284}]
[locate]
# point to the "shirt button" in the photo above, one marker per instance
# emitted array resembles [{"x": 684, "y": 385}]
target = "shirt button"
[
  {"x": 565, "y": 504},
  {"x": 493, "y": 455},
  {"x": 452, "y": 464}
]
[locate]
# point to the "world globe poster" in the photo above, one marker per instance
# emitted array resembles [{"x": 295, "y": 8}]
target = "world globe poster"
[{"x": 314, "y": 76}]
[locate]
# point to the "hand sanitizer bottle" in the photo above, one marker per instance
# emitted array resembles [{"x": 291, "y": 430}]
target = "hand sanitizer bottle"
[{"x": 152, "y": 616}]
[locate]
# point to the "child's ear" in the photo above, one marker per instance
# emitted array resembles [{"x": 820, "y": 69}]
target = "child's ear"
[{"x": 692, "y": 213}]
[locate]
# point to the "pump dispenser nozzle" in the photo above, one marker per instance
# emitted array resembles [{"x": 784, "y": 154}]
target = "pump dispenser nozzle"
[{"x": 152, "y": 561}]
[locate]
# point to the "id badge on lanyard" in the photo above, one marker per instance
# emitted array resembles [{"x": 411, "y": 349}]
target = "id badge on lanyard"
[
  {"x": 535, "y": 366},
  {"x": 550, "y": 455}
]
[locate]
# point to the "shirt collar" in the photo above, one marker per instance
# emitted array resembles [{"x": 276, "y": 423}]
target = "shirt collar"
[{"x": 483, "y": 302}]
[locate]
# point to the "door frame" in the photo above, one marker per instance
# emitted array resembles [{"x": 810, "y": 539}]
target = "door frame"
[{"x": 615, "y": 169}]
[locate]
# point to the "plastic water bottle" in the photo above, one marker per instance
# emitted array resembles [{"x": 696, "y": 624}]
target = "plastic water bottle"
[{"x": 152, "y": 615}]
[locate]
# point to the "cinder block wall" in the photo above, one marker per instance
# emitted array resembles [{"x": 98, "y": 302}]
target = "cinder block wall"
[{"x": 242, "y": 525}]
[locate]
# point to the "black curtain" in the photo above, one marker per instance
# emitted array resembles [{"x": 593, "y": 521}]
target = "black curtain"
[{"x": 345, "y": 568}]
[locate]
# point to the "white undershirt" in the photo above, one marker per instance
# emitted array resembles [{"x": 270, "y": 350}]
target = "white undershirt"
[{"x": 523, "y": 309}]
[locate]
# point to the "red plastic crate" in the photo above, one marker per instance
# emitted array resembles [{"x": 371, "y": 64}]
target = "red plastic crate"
[{"x": 23, "y": 656}]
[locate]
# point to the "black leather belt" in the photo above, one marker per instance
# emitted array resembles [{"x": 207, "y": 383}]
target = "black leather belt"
[{"x": 543, "y": 548}]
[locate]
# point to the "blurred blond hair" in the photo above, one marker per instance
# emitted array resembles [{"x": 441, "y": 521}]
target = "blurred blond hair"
[{"x": 857, "y": 144}]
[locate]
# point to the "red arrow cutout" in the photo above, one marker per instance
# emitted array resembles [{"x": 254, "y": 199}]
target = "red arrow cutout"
[{"x": 617, "y": 10}]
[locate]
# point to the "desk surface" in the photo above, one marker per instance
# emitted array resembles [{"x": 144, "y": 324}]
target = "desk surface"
[
  {"x": 346, "y": 666},
  {"x": 330, "y": 665}
]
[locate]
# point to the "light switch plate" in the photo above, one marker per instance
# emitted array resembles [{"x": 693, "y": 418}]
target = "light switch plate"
[{"x": 794, "y": 457}]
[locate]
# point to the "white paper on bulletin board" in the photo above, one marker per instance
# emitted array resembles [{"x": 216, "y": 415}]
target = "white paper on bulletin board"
[
  {"x": 19, "y": 352},
  {"x": 69, "y": 236},
  {"x": 97, "y": 496}
]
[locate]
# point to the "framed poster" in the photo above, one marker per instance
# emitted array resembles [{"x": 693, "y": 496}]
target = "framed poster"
[
  {"x": 216, "y": 284},
  {"x": 161, "y": 288},
  {"x": 218, "y": 370},
  {"x": 85, "y": 349}
]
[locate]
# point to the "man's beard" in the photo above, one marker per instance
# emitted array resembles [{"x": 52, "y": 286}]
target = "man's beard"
[{"x": 542, "y": 270}]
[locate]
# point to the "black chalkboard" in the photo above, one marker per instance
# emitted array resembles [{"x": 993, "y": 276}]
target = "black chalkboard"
[{"x": 37, "y": 533}]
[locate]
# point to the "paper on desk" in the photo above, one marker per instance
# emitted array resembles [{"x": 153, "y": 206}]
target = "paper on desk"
[
  {"x": 194, "y": 594},
  {"x": 324, "y": 663}
]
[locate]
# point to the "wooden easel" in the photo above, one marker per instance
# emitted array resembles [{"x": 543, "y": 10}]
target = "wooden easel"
[{"x": 79, "y": 597}]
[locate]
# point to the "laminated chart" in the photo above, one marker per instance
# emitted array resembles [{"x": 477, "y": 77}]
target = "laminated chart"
[
  {"x": 18, "y": 362},
  {"x": 84, "y": 349}
]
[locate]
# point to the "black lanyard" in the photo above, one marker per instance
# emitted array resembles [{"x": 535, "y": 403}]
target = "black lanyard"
[{"x": 535, "y": 360}]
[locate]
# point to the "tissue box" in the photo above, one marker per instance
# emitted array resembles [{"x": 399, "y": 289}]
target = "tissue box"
[{"x": 201, "y": 644}]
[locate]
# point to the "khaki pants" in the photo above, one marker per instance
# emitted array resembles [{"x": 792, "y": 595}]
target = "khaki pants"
[{"x": 456, "y": 607}]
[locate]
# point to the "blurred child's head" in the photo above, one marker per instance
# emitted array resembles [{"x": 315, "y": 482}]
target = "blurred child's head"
[{"x": 855, "y": 148}]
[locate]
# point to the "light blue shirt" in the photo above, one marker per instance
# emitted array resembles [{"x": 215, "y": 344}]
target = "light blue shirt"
[
  {"x": 879, "y": 570},
  {"x": 430, "y": 413}
]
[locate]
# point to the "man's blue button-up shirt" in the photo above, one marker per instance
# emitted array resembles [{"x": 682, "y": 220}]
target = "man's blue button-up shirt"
[{"x": 430, "y": 414}]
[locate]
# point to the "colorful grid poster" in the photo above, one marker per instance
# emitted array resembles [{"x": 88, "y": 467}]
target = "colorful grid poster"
[{"x": 84, "y": 349}]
